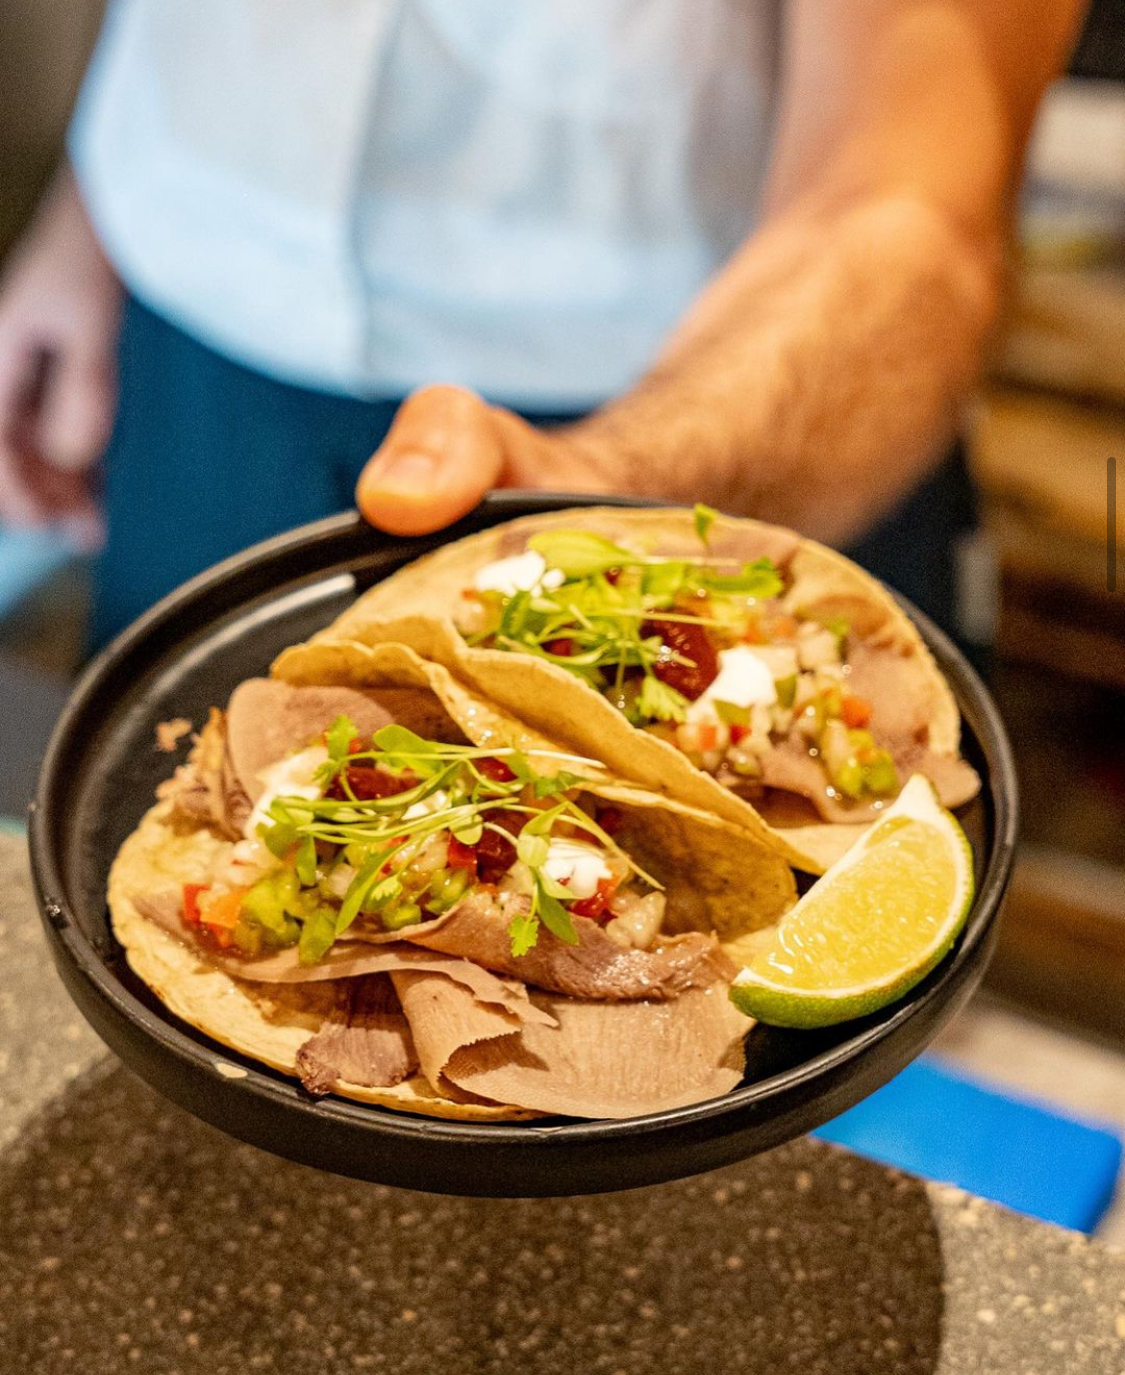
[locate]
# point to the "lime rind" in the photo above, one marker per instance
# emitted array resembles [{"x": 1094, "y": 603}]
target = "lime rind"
[{"x": 784, "y": 1005}]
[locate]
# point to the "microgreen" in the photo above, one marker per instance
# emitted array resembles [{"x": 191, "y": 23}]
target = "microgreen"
[
  {"x": 593, "y": 624},
  {"x": 579, "y": 554},
  {"x": 378, "y": 840},
  {"x": 339, "y": 736},
  {"x": 703, "y": 519}
]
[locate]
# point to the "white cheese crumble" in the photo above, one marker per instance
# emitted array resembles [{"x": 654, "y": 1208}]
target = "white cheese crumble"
[
  {"x": 293, "y": 776},
  {"x": 744, "y": 680},
  {"x": 518, "y": 573},
  {"x": 578, "y": 865}
]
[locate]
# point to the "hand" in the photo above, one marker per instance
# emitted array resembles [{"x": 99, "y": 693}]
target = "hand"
[
  {"x": 59, "y": 310},
  {"x": 447, "y": 448}
]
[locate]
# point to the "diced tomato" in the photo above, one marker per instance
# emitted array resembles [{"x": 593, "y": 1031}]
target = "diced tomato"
[
  {"x": 612, "y": 575},
  {"x": 856, "y": 712},
  {"x": 609, "y": 819},
  {"x": 597, "y": 904},
  {"x": 738, "y": 734},
  {"x": 495, "y": 769},
  {"x": 191, "y": 902},
  {"x": 784, "y": 627},
  {"x": 355, "y": 745},
  {"x": 461, "y": 856},
  {"x": 495, "y": 856},
  {"x": 690, "y": 643},
  {"x": 563, "y": 648},
  {"x": 368, "y": 782}
]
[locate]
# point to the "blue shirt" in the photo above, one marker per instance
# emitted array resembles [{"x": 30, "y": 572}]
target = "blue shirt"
[{"x": 521, "y": 196}]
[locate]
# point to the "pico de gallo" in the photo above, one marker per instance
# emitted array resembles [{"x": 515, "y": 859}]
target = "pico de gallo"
[
  {"x": 706, "y": 654},
  {"x": 395, "y": 831}
]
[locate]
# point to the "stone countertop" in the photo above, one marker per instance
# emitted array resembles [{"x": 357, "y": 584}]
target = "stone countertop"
[{"x": 133, "y": 1237}]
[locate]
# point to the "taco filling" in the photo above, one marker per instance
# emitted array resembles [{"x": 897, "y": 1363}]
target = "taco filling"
[
  {"x": 390, "y": 834},
  {"x": 712, "y": 655},
  {"x": 432, "y": 925}
]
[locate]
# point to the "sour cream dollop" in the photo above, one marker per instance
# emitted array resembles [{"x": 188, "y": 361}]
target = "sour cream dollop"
[
  {"x": 744, "y": 680},
  {"x": 293, "y": 776},
  {"x": 519, "y": 573},
  {"x": 578, "y": 865}
]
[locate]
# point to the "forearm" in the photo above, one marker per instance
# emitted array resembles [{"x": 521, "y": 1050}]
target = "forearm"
[{"x": 819, "y": 375}]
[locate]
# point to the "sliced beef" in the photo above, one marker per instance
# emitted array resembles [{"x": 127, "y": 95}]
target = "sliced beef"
[
  {"x": 602, "y": 1060},
  {"x": 596, "y": 967},
  {"x": 789, "y": 767},
  {"x": 448, "y": 1018},
  {"x": 203, "y": 790},
  {"x": 267, "y": 720},
  {"x": 366, "y": 1041},
  {"x": 902, "y": 698},
  {"x": 347, "y": 959}
]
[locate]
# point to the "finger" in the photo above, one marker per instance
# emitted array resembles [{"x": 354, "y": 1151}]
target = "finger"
[
  {"x": 20, "y": 504},
  {"x": 441, "y": 455},
  {"x": 76, "y": 411}
]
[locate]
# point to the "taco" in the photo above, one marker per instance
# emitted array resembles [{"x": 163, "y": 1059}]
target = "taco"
[
  {"x": 339, "y": 884},
  {"x": 727, "y": 663}
]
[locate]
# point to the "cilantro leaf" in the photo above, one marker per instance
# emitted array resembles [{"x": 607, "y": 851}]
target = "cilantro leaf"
[
  {"x": 660, "y": 702},
  {"x": 704, "y": 519},
  {"x": 382, "y": 892},
  {"x": 524, "y": 933},
  {"x": 339, "y": 736},
  {"x": 579, "y": 554}
]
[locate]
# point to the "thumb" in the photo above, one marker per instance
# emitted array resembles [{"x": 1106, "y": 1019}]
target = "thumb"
[{"x": 442, "y": 453}]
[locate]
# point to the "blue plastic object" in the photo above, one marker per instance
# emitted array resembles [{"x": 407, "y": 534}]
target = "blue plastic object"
[
  {"x": 1017, "y": 1152},
  {"x": 28, "y": 558}
]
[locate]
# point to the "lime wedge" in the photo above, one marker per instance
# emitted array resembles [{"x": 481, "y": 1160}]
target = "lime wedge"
[{"x": 874, "y": 925}]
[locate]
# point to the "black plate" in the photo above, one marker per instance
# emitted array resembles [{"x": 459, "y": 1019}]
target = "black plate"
[{"x": 186, "y": 655}]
